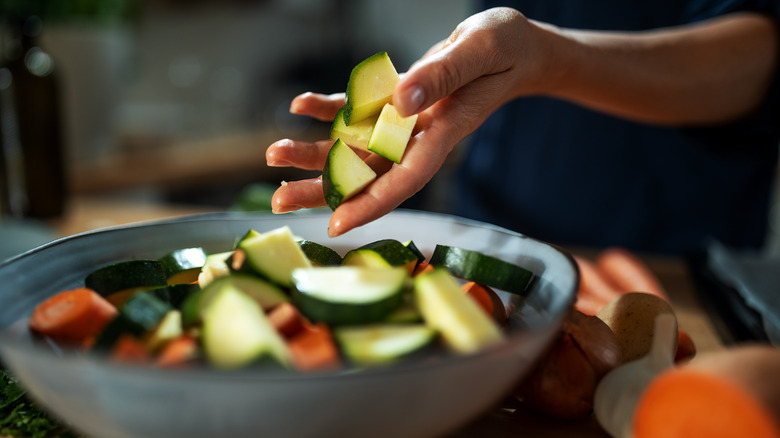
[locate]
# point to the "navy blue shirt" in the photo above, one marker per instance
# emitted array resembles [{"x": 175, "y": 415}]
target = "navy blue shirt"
[{"x": 562, "y": 173}]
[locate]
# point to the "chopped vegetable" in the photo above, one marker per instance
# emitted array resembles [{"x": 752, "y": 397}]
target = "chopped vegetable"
[
  {"x": 488, "y": 300},
  {"x": 684, "y": 403},
  {"x": 563, "y": 382},
  {"x": 72, "y": 316},
  {"x": 313, "y": 349},
  {"x": 628, "y": 273}
]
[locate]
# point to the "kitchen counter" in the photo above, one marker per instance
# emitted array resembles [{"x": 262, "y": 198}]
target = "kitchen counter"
[{"x": 509, "y": 417}]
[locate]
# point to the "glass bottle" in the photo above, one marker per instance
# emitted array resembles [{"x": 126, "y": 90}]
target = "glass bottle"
[{"x": 32, "y": 170}]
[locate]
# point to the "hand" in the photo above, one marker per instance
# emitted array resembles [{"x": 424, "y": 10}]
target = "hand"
[{"x": 453, "y": 89}]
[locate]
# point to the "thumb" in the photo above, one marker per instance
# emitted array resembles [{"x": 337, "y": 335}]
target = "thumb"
[{"x": 437, "y": 76}]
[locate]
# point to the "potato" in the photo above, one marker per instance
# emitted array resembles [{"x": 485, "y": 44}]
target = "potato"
[
  {"x": 562, "y": 382},
  {"x": 631, "y": 317}
]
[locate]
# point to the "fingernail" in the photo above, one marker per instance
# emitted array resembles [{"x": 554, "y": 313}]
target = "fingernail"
[
  {"x": 286, "y": 208},
  {"x": 279, "y": 163},
  {"x": 413, "y": 98}
]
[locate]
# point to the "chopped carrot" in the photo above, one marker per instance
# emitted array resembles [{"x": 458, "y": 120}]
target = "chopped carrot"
[
  {"x": 594, "y": 283},
  {"x": 686, "y": 349},
  {"x": 287, "y": 320},
  {"x": 129, "y": 349},
  {"x": 422, "y": 268},
  {"x": 685, "y": 403},
  {"x": 488, "y": 300},
  {"x": 628, "y": 273},
  {"x": 313, "y": 349},
  {"x": 179, "y": 352},
  {"x": 72, "y": 316}
]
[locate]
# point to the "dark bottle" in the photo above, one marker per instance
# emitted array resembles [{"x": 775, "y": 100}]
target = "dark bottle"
[{"x": 32, "y": 169}]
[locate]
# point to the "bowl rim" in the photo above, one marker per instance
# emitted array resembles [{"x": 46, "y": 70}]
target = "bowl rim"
[{"x": 9, "y": 341}]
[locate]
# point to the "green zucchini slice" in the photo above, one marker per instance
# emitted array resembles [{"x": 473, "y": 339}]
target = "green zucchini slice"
[
  {"x": 344, "y": 175},
  {"x": 183, "y": 265},
  {"x": 121, "y": 276},
  {"x": 344, "y": 295},
  {"x": 483, "y": 269},
  {"x": 274, "y": 255},
  {"x": 318, "y": 254},
  {"x": 236, "y": 332},
  {"x": 391, "y": 134},
  {"x": 463, "y": 325},
  {"x": 356, "y": 134},
  {"x": 141, "y": 313},
  {"x": 385, "y": 253},
  {"x": 382, "y": 344},
  {"x": 371, "y": 85}
]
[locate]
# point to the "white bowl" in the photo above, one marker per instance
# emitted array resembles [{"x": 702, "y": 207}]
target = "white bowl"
[{"x": 416, "y": 399}]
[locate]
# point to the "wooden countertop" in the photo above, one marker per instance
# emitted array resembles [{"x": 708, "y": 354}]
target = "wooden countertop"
[{"x": 508, "y": 418}]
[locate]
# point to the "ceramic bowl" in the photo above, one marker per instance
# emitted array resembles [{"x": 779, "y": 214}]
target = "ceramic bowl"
[{"x": 413, "y": 399}]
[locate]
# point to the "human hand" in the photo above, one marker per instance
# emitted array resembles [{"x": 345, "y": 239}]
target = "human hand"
[{"x": 453, "y": 89}]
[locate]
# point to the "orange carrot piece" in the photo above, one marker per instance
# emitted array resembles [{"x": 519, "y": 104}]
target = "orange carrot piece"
[
  {"x": 287, "y": 320},
  {"x": 179, "y": 352},
  {"x": 488, "y": 300},
  {"x": 72, "y": 316},
  {"x": 313, "y": 349},
  {"x": 684, "y": 403},
  {"x": 686, "y": 349},
  {"x": 628, "y": 273},
  {"x": 593, "y": 281},
  {"x": 129, "y": 349},
  {"x": 422, "y": 268}
]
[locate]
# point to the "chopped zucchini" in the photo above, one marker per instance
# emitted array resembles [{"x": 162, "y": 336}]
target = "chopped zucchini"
[
  {"x": 175, "y": 294},
  {"x": 236, "y": 332},
  {"x": 126, "y": 275},
  {"x": 264, "y": 293},
  {"x": 382, "y": 344},
  {"x": 482, "y": 269},
  {"x": 169, "y": 328},
  {"x": 371, "y": 85},
  {"x": 274, "y": 255},
  {"x": 348, "y": 294},
  {"x": 318, "y": 254},
  {"x": 344, "y": 175},
  {"x": 183, "y": 265},
  {"x": 383, "y": 253},
  {"x": 140, "y": 314},
  {"x": 391, "y": 134},
  {"x": 216, "y": 266},
  {"x": 463, "y": 325},
  {"x": 356, "y": 134}
]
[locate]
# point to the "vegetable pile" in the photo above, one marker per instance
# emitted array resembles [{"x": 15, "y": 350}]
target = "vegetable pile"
[
  {"x": 275, "y": 300},
  {"x": 622, "y": 359}
]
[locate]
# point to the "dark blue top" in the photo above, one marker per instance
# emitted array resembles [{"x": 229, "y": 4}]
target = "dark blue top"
[{"x": 562, "y": 173}]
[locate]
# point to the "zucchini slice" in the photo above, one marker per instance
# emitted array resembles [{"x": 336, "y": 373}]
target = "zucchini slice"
[
  {"x": 264, "y": 293},
  {"x": 463, "y": 325},
  {"x": 318, "y": 254},
  {"x": 216, "y": 266},
  {"x": 274, "y": 255},
  {"x": 482, "y": 269},
  {"x": 121, "y": 276},
  {"x": 175, "y": 294},
  {"x": 391, "y": 134},
  {"x": 344, "y": 175},
  {"x": 382, "y": 344},
  {"x": 356, "y": 134},
  {"x": 371, "y": 85},
  {"x": 385, "y": 253},
  {"x": 236, "y": 332},
  {"x": 183, "y": 265},
  {"x": 140, "y": 314},
  {"x": 344, "y": 295}
]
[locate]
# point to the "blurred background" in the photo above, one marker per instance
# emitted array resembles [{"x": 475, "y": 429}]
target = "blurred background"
[{"x": 173, "y": 102}]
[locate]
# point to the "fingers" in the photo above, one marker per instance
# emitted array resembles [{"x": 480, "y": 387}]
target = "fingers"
[
  {"x": 320, "y": 106},
  {"x": 481, "y": 45},
  {"x": 296, "y": 195},
  {"x": 300, "y": 154}
]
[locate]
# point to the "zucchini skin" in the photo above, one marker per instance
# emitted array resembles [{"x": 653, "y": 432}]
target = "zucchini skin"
[
  {"x": 125, "y": 275},
  {"x": 482, "y": 269}
]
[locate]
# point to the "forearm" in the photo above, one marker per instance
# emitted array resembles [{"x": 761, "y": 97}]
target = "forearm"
[{"x": 705, "y": 73}]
